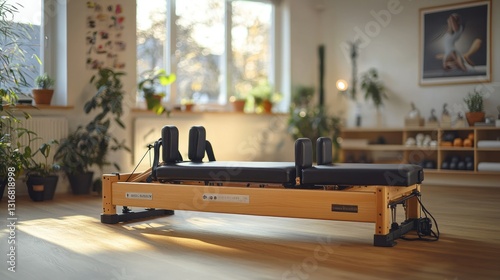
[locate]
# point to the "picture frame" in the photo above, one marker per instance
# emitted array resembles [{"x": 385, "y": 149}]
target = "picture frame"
[{"x": 455, "y": 44}]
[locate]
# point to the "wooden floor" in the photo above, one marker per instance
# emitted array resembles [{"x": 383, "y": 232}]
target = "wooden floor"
[{"x": 64, "y": 239}]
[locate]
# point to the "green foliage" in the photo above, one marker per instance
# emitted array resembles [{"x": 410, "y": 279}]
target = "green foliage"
[
  {"x": 474, "y": 102},
  {"x": 12, "y": 152},
  {"x": 310, "y": 121},
  {"x": 43, "y": 169},
  {"x": 373, "y": 87},
  {"x": 44, "y": 81},
  {"x": 13, "y": 75},
  {"x": 90, "y": 144},
  {"x": 13, "y": 71},
  {"x": 150, "y": 82},
  {"x": 302, "y": 95},
  {"x": 264, "y": 91}
]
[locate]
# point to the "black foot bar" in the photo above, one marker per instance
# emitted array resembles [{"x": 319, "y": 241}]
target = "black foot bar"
[{"x": 125, "y": 217}]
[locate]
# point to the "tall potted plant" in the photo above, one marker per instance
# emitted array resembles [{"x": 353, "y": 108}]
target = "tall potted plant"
[
  {"x": 374, "y": 89},
  {"x": 13, "y": 77},
  {"x": 475, "y": 105},
  {"x": 311, "y": 121},
  {"x": 44, "y": 91},
  {"x": 90, "y": 144}
]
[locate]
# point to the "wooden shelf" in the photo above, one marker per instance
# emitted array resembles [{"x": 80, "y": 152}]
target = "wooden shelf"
[{"x": 370, "y": 149}]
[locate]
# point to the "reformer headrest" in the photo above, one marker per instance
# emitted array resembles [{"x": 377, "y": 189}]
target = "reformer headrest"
[
  {"x": 170, "y": 143},
  {"x": 324, "y": 151},
  {"x": 303, "y": 155},
  {"x": 198, "y": 145}
]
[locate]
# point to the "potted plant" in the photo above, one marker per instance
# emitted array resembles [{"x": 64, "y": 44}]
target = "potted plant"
[
  {"x": 374, "y": 89},
  {"x": 41, "y": 177},
  {"x": 13, "y": 73},
  {"x": 76, "y": 155},
  {"x": 264, "y": 96},
  {"x": 151, "y": 84},
  {"x": 44, "y": 91},
  {"x": 475, "y": 105},
  {"x": 90, "y": 144},
  {"x": 238, "y": 101},
  {"x": 187, "y": 104},
  {"x": 311, "y": 121}
]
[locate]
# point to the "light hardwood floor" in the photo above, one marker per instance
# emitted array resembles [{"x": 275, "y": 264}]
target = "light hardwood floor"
[{"x": 64, "y": 239}]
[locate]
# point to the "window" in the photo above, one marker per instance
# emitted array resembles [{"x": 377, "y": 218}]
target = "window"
[
  {"x": 216, "y": 48},
  {"x": 27, "y": 21}
]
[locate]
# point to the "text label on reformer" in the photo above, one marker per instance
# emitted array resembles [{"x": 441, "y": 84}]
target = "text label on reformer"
[
  {"x": 136, "y": 195},
  {"x": 344, "y": 208},
  {"x": 236, "y": 198}
]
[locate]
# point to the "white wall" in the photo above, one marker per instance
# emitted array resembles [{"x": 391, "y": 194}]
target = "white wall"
[{"x": 394, "y": 51}]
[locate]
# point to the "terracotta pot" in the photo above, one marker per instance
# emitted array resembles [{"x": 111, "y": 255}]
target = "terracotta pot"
[
  {"x": 474, "y": 117},
  {"x": 267, "y": 106},
  {"x": 43, "y": 96},
  {"x": 188, "y": 107},
  {"x": 239, "y": 105}
]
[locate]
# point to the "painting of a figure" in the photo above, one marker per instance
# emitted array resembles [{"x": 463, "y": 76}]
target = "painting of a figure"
[{"x": 455, "y": 44}]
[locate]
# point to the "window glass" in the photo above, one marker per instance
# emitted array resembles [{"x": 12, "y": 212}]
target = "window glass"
[
  {"x": 151, "y": 37},
  {"x": 250, "y": 32},
  {"x": 210, "y": 64},
  {"x": 199, "y": 49},
  {"x": 27, "y": 27}
]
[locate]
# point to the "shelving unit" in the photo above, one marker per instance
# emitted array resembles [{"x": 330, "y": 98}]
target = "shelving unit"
[{"x": 387, "y": 145}]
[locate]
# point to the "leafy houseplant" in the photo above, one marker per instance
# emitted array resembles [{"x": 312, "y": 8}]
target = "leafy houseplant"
[
  {"x": 475, "y": 105},
  {"x": 151, "y": 84},
  {"x": 13, "y": 76},
  {"x": 13, "y": 69},
  {"x": 90, "y": 144},
  {"x": 41, "y": 176},
  {"x": 307, "y": 120},
  {"x": 374, "y": 89},
  {"x": 264, "y": 96},
  {"x": 15, "y": 157},
  {"x": 44, "y": 91}
]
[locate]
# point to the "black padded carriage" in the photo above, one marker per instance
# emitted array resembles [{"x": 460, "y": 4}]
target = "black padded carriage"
[
  {"x": 358, "y": 174},
  {"x": 214, "y": 171},
  {"x": 284, "y": 173}
]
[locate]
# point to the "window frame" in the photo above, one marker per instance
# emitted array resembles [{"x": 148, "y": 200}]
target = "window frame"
[{"x": 224, "y": 94}]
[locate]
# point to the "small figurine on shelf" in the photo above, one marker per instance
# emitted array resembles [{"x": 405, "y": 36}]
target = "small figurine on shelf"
[
  {"x": 413, "y": 118},
  {"x": 433, "y": 120},
  {"x": 460, "y": 121},
  {"x": 445, "y": 116}
]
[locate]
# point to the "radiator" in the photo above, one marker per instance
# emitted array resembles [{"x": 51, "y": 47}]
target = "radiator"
[{"x": 46, "y": 129}]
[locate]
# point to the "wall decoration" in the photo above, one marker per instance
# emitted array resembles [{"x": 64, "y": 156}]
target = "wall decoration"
[
  {"x": 105, "y": 24},
  {"x": 455, "y": 43}
]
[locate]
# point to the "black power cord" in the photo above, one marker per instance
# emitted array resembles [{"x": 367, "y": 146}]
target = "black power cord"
[{"x": 424, "y": 225}]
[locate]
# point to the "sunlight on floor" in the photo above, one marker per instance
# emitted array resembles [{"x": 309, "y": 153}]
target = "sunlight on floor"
[
  {"x": 81, "y": 234},
  {"x": 191, "y": 243}
]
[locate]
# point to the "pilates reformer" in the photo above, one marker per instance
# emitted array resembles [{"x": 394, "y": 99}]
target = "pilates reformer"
[{"x": 300, "y": 189}]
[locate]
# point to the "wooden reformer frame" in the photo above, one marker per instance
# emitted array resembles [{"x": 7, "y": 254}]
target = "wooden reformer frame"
[
  {"x": 357, "y": 203},
  {"x": 301, "y": 190}
]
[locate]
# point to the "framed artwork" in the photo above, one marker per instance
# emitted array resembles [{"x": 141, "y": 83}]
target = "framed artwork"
[{"x": 455, "y": 43}]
